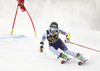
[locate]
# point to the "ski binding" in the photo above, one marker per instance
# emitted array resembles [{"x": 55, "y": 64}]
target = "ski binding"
[
  {"x": 80, "y": 62},
  {"x": 64, "y": 61}
]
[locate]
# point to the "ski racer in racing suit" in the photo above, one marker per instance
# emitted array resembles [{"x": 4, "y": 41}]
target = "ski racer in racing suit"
[{"x": 55, "y": 42}]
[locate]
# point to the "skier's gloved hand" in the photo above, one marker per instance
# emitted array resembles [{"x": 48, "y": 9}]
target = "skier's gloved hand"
[
  {"x": 67, "y": 40},
  {"x": 41, "y": 49}
]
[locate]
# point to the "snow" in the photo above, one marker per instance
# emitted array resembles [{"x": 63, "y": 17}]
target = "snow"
[{"x": 20, "y": 51}]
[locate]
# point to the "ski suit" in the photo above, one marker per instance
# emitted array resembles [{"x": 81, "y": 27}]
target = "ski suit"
[{"x": 55, "y": 42}]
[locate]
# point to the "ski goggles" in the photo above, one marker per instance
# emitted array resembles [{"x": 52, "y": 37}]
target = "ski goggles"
[{"x": 53, "y": 29}]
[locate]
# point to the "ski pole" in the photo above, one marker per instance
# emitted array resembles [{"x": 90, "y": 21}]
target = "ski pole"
[
  {"x": 14, "y": 20},
  {"x": 32, "y": 22},
  {"x": 44, "y": 53},
  {"x": 85, "y": 47}
]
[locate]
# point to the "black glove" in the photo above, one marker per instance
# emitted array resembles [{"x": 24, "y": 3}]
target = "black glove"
[{"x": 41, "y": 49}]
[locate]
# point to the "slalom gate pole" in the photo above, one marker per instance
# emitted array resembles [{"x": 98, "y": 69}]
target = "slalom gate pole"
[
  {"x": 30, "y": 19},
  {"x": 32, "y": 22},
  {"x": 85, "y": 47},
  {"x": 14, "y": 20}
]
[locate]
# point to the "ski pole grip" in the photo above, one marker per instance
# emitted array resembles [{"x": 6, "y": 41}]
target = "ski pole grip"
[{"x": 65, "y": 40}]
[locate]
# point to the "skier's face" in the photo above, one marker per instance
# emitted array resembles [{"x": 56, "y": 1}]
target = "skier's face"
[{"x": 53, "y": 32}]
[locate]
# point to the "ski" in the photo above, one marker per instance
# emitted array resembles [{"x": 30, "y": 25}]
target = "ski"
[
  {"x": 80, "y": 62},
  {"x": 64, "y": 61}
]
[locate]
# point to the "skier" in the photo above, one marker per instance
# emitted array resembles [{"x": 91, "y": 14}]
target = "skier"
[
  {"x": 21, "y": 5},
  {"x": 55, "y": 42}
]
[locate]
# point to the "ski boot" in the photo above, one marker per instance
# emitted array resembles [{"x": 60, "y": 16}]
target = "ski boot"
[
  {"x": 81, "y": 58},
  {"x": 64, "y": 57}
]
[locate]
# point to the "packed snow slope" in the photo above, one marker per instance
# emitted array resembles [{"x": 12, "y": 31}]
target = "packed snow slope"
[{"x": 20, "y": 51}]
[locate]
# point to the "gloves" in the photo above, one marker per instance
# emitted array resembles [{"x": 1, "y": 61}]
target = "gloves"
[
  {"x": 67, "y": 40},
  {"x": 41, "y": 49}
]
